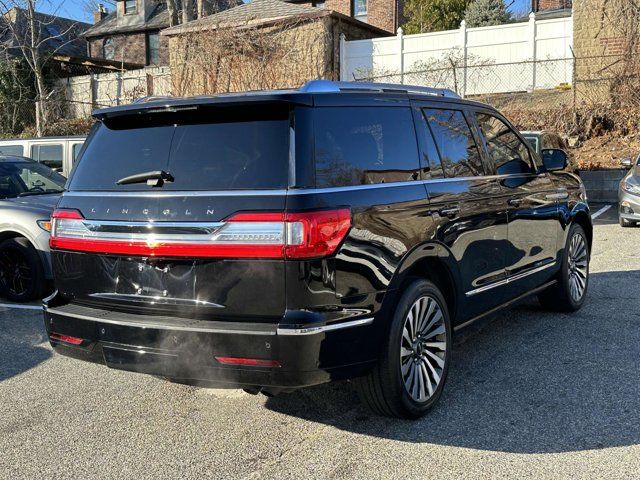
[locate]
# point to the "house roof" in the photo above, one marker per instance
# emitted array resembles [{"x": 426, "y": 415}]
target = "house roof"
[
  {"x": 257, "y": 11},
  {"x": 158, "y": 19},
  {"x": 60, "y": 35}
]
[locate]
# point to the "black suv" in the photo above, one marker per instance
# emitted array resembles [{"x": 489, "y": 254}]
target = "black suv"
[{"x": 276, "y": 240}]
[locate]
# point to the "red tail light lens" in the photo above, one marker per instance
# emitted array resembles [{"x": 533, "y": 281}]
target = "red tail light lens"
[
  {"x": 248, "y": 362},
  {"x": 65, "y": 338},
  {"x": 245, "y": 235}
]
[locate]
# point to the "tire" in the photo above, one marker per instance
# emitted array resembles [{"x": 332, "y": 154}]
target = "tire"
[
  {"x": 21, "y": 273},
  {"x": 385, "y": 390},
  {"x": 569, "y": 293}
]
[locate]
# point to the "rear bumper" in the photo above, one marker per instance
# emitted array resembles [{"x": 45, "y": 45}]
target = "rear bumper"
[{"x": 187, "y": 350}]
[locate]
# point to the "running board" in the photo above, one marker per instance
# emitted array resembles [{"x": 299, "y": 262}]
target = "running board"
[{"x": 505, "y": 305}]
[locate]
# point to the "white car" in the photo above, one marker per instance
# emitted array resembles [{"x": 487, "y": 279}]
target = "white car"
[{"x": 58, "y": 153}]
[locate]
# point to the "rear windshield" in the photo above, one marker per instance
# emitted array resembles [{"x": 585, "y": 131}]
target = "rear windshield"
[{"x": 218, "y": 148}]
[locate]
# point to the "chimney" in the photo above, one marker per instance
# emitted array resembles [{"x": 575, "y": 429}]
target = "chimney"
[{"x": 99, "y": 14}]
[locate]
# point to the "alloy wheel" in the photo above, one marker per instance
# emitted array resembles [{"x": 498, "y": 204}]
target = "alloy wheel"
[
  {"x": 578, "y": 267},
  {"x": 423, "y": 347},
  {"x": 15, "y": 273}
]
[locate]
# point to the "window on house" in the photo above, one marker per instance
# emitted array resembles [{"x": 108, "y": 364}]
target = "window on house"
[
  {"x": 108, "y": 49},
  {"x": 153, "y": 48},
  {"x": 359, "y": 9},
  {"x": 318, "y": 3},
  {"x": 130, "y": 7}
]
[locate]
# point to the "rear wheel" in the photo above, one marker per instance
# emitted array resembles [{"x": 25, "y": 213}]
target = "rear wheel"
[
  {"x": 21, "y": 274},
  {"x": 412, "y": 369},
  {"x": 569, "y": 293}
]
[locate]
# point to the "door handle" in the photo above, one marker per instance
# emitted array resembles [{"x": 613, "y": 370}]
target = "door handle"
[
  {"x": 449, "y": 212},
  {"x": 514, "y": 202}
]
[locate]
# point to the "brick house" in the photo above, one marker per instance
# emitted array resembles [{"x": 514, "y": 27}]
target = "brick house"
[
  {"x": 385, "y": 14},
  {"x": 261, "y": 45},
  {"x": 548, "y": 5},
  {"x": 131, "y": 33}
]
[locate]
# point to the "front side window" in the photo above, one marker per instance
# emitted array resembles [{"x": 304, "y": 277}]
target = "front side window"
[
  {"x": 130, "y": 7},
  {"x": 108, "y": 49},
  {"x": 26, "y": 178},
  {"x": 49, "y": 155},
  {"x": 364, "y": 145},
  {"x": 359, "y": 8},
  {"x": 459, "y": 153},
  {"x": 509, "y": 154},
  {"x": 153, "y": 49}
]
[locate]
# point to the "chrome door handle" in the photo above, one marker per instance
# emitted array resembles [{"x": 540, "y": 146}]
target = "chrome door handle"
[
  {"x": 562, "y": 195},
  {"x": 449, "y": 212}
]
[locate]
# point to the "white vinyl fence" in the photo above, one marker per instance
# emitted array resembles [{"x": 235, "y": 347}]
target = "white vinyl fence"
[
  {"x": 513, "y": 57},
  {"x": 84, "y": 93}
]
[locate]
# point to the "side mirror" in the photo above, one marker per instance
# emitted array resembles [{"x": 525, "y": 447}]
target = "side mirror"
[
  {"x": 554, "y": 159},
  {"x": 626, "y": 162}
]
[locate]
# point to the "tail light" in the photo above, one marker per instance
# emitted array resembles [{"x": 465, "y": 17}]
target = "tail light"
[{"x": 244, "y": 235}]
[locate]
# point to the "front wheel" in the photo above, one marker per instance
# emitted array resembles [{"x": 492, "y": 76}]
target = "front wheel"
[
  {"x": 21, "y": 274},
  {"x": 412, "y": 369},
  {"x": 569, "y": 293}
]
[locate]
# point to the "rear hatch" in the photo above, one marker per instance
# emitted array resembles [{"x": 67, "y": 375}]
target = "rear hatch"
[{"x": 178, "y": 212}]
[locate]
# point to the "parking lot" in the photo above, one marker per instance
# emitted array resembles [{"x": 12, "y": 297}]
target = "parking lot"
[{"x": 530, "y": 394}]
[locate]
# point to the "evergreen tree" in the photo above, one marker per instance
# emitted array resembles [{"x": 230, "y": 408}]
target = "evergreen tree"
[
  {"x": 434, "y": 15},
  {"x": 485, "y": 13}
]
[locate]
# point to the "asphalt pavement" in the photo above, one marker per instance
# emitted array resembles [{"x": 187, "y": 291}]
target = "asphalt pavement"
[{"x": 530, "y": 394}]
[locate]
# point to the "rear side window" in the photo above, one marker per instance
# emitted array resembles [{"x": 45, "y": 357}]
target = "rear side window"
[
  {"x": 509, "y": 154},
  {"x": 12, "y": 150},
  {"x": 218, "y": 148},
  {"x": 459, "y": 154},
  {"x": 364, "y": 145}
]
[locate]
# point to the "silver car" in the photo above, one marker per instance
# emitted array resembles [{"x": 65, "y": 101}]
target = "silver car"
[
  {"x": 28, "y": 193},
  {"x": 629, "y": 194}
]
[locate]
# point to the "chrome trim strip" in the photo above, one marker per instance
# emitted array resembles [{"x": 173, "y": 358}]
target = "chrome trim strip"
[
  {"x": 283, "y": 191},
  {"x": 324, "y": 328},
  {"x": 155, "y": 299},
  {"x": 175, "y": 193},
  {"x": 507, "y": 280},
  {"x": 153, "y": 223}
]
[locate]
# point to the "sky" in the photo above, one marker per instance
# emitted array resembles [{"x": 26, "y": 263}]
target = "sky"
[{"x": 76, "y": 8}]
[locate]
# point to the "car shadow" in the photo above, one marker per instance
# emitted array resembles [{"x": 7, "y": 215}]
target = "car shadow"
[
  {"x": 527, "y": 381},
  {"x": 22, "y": 342}
]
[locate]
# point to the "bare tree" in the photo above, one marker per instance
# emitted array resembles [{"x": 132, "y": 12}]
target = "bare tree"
[
  {"x": 36, "y": 38},
  {"x": 172, "y": 8}
]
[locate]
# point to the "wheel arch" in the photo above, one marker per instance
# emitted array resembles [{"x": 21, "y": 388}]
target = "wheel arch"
[
  {"x": 434, "y": 262},
  {"x": 582, "y": 218},
  {"x": 19, "y": 233}
]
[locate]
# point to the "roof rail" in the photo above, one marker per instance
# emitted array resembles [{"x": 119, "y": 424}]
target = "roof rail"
[{"x": 329, "y": 86}]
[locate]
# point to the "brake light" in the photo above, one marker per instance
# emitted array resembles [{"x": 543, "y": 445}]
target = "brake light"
[
  {"x": 248, "y": 362},
  {"x": 244, "y": 235},
  {"x": 65, "y": 338}
]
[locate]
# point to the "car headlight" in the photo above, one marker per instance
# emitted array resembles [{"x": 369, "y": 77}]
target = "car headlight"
[
  {"x": 45, "y": 224},
  {"x": 627, "y": 186}
]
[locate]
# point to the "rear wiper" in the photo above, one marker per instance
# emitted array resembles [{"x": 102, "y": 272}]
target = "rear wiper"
[{"x": 153, "y": 179}]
